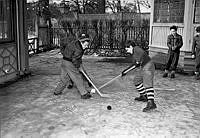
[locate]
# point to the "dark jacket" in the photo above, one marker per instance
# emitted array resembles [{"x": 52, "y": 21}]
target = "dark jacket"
[
  {"x": 174, "y": 41},
  {"x": 196, "y": 45},
  {"x": 73, "y": 52},
  {"x": 140, "y": 55}
]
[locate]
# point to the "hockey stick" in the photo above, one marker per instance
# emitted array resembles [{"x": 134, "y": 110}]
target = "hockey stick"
[
  {"x": 116, "y": 78},
  {"x": 164, "y": 89},
  {"x": 101, "y": 94}
]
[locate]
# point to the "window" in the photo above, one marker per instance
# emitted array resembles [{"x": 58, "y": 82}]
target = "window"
[
  {"x": 6, "y": 28},
  {"x": 169, "y": 11},
  {"x": 197, "y": 11}
]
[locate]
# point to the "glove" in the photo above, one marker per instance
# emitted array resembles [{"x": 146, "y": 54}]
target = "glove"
[
  {"x": 138, "y": 64},
  {"x": 193, "y": 56},
  {"x": 174, "y": 48},
  {"x": 123, "y": 73}
]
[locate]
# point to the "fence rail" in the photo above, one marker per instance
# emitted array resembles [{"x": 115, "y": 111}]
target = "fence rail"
[
  {"x": 104, "y": 36},
  {"x": 33, "y": 46}
]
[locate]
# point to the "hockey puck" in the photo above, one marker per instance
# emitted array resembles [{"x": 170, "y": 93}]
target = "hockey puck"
[{"x": 109, "y": 107}]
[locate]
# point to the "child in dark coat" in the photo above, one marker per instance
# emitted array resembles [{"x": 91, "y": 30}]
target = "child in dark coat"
[
  {"x": 174, "y": 43},
  {"x": 72, "y": 65},
  {"x": 196, "y": 53}
]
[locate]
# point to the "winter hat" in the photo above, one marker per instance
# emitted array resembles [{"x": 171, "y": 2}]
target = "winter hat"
[
  {"x": 84, "y": 37},
  {"x": 130, "y": 43},
  {"x": 174, "y": 27}
]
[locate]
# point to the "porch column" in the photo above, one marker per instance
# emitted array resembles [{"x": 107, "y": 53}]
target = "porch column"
[
  {"x": 188, "y": 25},
  {"x": 22, "y": 43},
  {"x": 151, "y": 21}
]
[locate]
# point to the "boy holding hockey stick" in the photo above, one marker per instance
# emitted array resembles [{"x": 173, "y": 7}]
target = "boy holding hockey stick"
[
  {"x": 143, "y": 75},
  {"x": 72, "y": 65}
]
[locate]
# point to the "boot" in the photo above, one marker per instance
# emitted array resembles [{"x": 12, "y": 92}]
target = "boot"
[
  {"x": 57, "y": 93},
  {"x": 70, "y": 86},
  {"x": 172, "y": 74},
  {"x": 86, "y": 96},
  {"x": 165, "y": 74},
  {"x": 59, "y": 88},
  {"x": 150, "y": 106},
  {"x": 142, "y": 98}
]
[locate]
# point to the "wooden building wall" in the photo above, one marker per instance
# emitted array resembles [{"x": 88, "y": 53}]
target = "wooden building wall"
[
  {"x": 160, "y": 30},
  {"x": 13, "y": 51}
]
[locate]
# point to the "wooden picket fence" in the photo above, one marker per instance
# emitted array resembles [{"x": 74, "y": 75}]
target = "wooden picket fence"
[{"x": 105, "y": 35}]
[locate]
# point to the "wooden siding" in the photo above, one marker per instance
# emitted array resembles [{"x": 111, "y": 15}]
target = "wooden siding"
[
  {"x": 14, "y": 54},
  {"x": 159, "y": 35}
]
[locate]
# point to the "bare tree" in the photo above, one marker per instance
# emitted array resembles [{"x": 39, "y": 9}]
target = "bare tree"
[
  {"x": 85, "y": 6},
  {"x": 130, "y": 7},
  {"x": 133, "y": 6},
  {"x": 145, "y": 3},
  {"x": 114, "y": 5}
]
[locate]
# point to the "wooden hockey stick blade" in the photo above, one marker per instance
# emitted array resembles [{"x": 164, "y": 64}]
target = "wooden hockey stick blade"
[
  {"x": 101, "y": 94},
  {"x": 116, "y": 78},
  {"x": 164, "y": 89}
]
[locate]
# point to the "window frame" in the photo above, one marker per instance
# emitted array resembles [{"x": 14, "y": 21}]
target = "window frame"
[
  {"x": 11, "y": 27},
  {"x": 158, "y": 9},
  {"x": 195, "y": 12}
]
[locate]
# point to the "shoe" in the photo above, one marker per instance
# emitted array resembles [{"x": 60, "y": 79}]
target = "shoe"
[
  {"x": 165, "y": 75},
  {"x": 86, "y": 96},
  {"x": 142, "y": 98},
  {"x": 172, "y": 75},
  {"x": 70, "y": 86},
  {"x": 150, "y": 106},
  {"x": 57, "y": 93}
]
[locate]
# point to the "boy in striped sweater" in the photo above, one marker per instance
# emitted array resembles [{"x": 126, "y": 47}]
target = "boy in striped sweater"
[{"x": 143, "y": 75}]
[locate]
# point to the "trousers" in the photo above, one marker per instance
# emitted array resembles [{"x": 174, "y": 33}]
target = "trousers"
[
  {"x": 172, "y": 60},
  {"x": 69, "y": 74},
  {"x": 143, "y": 75},
  {"x": 197, "y": 61}
]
